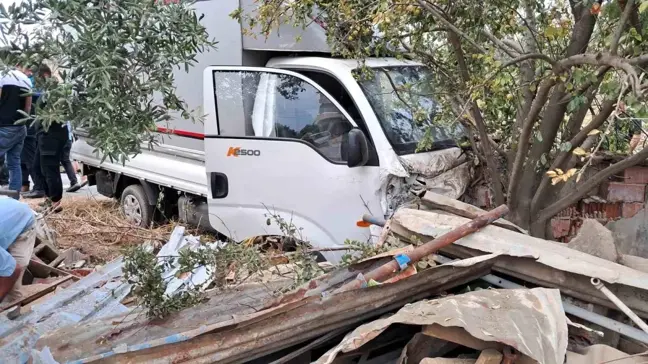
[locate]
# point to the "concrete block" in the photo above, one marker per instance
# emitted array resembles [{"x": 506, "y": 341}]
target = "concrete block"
[
  {"x": 631, "y": 234},
  {"x": 594, "y": 239}
]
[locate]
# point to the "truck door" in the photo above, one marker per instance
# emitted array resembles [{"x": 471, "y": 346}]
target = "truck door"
[{"x": 277, "y": 144}]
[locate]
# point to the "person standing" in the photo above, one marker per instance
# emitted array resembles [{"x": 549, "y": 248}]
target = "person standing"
[
  {"x": 30, "y": 161},
  {"x": 67, "y": 164},
  {"x": 29, "y": 146},
  {"x": 15, "y": 105},
  {"x": 51, "y": 144},
  {"x": 17, "y": 238}
]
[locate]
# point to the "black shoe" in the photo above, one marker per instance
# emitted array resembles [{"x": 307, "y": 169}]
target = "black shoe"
[
  {"x": 73, "y": 188},
  {"x": 34, "y": 194}
]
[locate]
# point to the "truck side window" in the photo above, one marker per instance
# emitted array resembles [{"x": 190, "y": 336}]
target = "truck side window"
[{"x": 276, "y": 105}]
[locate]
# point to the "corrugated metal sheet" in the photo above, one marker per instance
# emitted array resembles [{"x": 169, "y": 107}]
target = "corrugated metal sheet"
[
  {"x": 213, "y": 333},
  {"x": 95, "y": 296}
]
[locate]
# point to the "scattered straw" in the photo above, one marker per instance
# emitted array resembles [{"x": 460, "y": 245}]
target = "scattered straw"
[{"x": 96, "y": 227}]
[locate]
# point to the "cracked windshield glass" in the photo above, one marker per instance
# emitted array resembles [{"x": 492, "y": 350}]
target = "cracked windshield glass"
[{"x": 402, "y": 98}]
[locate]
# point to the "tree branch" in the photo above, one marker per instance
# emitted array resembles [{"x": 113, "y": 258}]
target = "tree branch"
[
  {"x": 450, "y": 26},
  {"x": 591, "y": 183},
  {"x": 498, "y": 185},
  {"x": 600, "y": 74},
  {"x": 639, "y": 61},
  {"x": 601, "y": 59},
  {"x": 510, "y": 51},
  {"x": 527, "y": 128},
  {"x": 577, "y": 140},
  {"x": 528, "y": 56},
  {"x": 614, "y": 47}
]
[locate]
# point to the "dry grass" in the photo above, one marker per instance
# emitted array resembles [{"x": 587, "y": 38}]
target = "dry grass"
[{"x": 96, "y": 227}]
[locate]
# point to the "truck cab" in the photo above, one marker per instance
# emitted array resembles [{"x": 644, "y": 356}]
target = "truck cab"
[{"x": 305, "y": 139}]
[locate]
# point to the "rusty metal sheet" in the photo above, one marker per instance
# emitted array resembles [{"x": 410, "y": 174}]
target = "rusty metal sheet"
[
  {"x": 224, "y": 308},
  {"x": 313, "y": 317},
  {"x": 97, "y": 295},
  {"x": 529, "y": 320}
]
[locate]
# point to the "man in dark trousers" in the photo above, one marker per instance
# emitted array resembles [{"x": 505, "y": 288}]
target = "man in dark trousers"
[
  {"x": 51, "y": 145},
  {"x": 30, "y": 161},
  {"x": 15, "y": 105}
]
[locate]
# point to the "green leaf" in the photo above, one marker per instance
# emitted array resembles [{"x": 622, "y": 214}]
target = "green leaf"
[
  {"x": 566, "y": 146},
  {"x": 643, "y": 6}
]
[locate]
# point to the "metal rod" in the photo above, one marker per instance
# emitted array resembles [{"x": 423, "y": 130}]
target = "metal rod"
[
  {"x": 622, "y": 306},
  {"x": 10, "y": 193},
  {"x": 420, "y": 252},
  {"x": 616, "y": 326}
]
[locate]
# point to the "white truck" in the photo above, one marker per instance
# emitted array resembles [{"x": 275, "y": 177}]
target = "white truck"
[{"x": 290, "y": 131}]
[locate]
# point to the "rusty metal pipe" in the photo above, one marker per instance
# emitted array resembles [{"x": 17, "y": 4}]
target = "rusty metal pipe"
[
  {"x": 622, "y": 306},
  {"x": 386, "y": 270}
]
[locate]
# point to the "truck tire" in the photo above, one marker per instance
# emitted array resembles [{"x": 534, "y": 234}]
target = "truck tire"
[{"x": 135, "y": 206}]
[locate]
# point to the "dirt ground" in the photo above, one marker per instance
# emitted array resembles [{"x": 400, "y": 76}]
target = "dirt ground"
[{"x": 96, "y": 227}]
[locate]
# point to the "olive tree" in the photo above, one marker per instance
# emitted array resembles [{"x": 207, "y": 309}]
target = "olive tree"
[
  {"x": 538, "y": 84},
  {"x": 115, "y": 60}
]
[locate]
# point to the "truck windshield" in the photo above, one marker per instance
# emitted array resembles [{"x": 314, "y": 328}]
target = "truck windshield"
[{"x": 402, "y": 98}]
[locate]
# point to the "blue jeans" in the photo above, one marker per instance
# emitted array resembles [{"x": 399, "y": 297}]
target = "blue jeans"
[{"x": 11, "y": 144}]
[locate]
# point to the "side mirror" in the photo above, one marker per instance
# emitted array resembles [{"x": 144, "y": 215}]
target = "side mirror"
[{"x": 357, "y": 149}]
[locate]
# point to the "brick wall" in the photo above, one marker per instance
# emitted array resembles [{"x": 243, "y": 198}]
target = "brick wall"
[{"x": 621, "y": 197}]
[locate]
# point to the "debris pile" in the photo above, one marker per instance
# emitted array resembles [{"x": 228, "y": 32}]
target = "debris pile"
[
  {"x": 458, "y": 285},
  {"x": 96, "y": 228}
]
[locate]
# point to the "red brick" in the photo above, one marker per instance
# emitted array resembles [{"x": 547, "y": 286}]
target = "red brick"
[
  {"x": 626, "y": 192},
  {"x": 636, "y": 175},
  {"x": 631, "y": 208},
  {"x": 560, "y": 227}
]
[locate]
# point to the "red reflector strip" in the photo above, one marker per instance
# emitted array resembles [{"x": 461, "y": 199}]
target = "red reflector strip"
[{"x": 183, "y": 133}]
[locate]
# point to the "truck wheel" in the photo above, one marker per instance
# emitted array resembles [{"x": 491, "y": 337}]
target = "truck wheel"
[{"x": 135, "y": 206}]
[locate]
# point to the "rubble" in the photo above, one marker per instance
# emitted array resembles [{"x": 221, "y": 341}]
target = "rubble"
[
  {"x": 631, "y": 234},
  {"x": 457, "y": 308},
  {"x": 594, "y": 239}
]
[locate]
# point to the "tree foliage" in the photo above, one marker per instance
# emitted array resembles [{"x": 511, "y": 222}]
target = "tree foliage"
[
  {"x": 535, "y": 82},
  {"x": 115, "y": 61}
]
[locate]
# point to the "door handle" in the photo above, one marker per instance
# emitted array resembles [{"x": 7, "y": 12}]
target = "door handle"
[{"x": 219, "y": 185}]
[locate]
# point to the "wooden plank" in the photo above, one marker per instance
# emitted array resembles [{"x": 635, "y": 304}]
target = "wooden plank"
[
  {"x": 447, "y": 361},
  {"x": 51, "y": 270},
  {"x": 38, "y": 294},
  {"x": 463, "y": 209},
  {"x": 490, "y": 356}
]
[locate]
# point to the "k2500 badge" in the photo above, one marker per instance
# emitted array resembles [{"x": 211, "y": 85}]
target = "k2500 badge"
[{"x": 238, "y": 151}]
